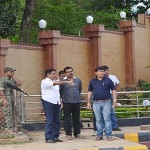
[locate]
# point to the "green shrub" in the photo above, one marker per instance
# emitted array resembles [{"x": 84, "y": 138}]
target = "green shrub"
[
  {"x": 120, "y": 113},
  {"x": 145, "y": 86}
]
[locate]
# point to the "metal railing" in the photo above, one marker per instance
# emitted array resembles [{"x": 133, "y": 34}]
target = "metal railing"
[
  {"x": 28, "y": 109},
  {"x": 31, "y": 110},
  {"x": 138, "y": 100}
]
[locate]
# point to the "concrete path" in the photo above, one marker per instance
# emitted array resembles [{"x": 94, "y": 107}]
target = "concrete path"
[{"x": 37, "y": 142}]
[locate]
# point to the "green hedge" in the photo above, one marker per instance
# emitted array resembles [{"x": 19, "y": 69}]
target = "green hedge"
[{"x": 120, "y": 113}]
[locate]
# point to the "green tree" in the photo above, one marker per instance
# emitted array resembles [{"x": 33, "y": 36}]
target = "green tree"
[
  {"x": 19, "y": 18},
  {"x": 69, "y": 16},
  {"x": 145, "y": 86},
  {"x": 135, "y": 7},
  {"x": 8, "y": 17},
  {"x": 26, "y": 22}
]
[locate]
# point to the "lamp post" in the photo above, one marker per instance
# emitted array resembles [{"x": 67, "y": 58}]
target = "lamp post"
[
  {"x": 94, "y": 32},
  {"x": 48, "y": 39},
  {"x": 42, "y": 24},
  {"x": 123, "y": 15},
  {"x": 89, "y": 19}
]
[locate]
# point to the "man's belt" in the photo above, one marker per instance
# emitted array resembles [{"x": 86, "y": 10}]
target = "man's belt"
[{"x": 101, "y": 100}]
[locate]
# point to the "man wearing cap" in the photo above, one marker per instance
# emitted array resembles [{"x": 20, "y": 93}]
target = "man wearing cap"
[
  {"x": 99, "y": 87},
  {"x": 7, "y": 96}
]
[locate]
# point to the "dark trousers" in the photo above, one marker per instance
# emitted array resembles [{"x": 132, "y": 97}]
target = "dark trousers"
[
  {"x": 52, "y": 126},
  {"x": 72, "y": 110}
]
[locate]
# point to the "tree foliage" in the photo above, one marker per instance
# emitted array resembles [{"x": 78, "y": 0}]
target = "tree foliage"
[
  {"x": 68, "y": 16},
  {"x": 26, "y": 22},
  {"x": 135, "y": 7},
  {"x": 8, "y": 17}
]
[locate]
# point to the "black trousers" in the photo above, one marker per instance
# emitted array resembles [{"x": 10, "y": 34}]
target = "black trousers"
[{"x": 71, "y": 118}]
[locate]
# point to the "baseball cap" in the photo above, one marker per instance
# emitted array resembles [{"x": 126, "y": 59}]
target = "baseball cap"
[{"x": 6, "y": 69}]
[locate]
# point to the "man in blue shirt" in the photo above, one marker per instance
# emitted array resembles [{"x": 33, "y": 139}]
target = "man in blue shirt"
[{"x": 99, "y": 87}]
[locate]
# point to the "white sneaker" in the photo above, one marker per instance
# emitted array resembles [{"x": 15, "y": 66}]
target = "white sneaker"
[{"x": 94, "y": 133}]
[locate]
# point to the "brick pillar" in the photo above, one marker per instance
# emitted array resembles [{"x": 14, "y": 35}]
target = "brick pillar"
[
  {"x": 94, "y": 32},
  {"x": 4, "y": 45},
  {"x": 127, "y": 27},
  {"x": 49, "y": 40}
]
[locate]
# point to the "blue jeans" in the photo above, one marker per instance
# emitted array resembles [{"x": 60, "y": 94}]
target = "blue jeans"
[
  {"x": 52, "y": 112},
  {"x": 94, "y": 122},
  {"x": 102, "y": 110},
  {"x": 113, "y": 119}
]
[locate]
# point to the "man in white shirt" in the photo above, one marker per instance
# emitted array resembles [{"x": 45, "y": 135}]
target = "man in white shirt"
[
  {"x": 51, "y": 103},
  {"x": 116, "y": 83}
]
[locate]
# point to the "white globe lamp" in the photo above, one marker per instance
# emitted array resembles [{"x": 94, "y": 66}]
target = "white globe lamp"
[
  {"x": 42, "y": 24},
  {"x": 89, "y": 19},
  {"x": 123, "y": 15}
]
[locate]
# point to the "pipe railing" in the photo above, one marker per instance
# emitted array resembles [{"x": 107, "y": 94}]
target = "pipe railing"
[{"x": 32, "y": 113}]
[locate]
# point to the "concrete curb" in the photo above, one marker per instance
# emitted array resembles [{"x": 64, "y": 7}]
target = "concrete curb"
[
  {"x": 88, "y": 124},
  {"x": 135, "y": 137},
  {"x": 136, "y": 147}
]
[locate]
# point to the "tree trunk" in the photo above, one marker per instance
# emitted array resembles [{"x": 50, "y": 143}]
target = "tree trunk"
[{"x": 26, "y": 21}]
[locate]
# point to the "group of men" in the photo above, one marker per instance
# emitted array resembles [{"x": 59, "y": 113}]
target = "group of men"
[
  {"x": 66, "y": 91},
  {"x": 101, "y": 90}
]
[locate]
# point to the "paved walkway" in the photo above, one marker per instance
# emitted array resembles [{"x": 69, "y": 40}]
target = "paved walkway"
[{"x": 37, "y": 142}]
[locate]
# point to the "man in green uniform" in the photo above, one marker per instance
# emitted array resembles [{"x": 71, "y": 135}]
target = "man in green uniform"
[{"x": 7, "y": 97}]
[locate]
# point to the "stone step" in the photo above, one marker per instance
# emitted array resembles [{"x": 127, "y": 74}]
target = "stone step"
[{"x": 145, "y": 127}]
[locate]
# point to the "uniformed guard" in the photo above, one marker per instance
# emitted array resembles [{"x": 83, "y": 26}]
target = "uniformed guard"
[{"x": 7, "y": 97}]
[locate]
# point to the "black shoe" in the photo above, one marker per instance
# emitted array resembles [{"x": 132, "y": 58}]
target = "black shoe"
[
  {"x": 50, "y": 141},
  {"x": 58, "y": 140},
  {"x": 116, "y": 129},
  {"x": 78, "y": 136}
]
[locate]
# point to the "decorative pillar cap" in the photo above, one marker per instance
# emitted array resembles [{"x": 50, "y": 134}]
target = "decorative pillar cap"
[
  {"x": 4, "y": 43},
  {"x": 127, "y": 25},
  {"x": 93, "y": 30},
  {"x": 48, "y": 37}
]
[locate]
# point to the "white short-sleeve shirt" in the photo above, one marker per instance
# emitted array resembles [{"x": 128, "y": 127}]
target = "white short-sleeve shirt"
[
  {"x": 50, "y": 92},
  {"x": 114, "y": 79}
]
